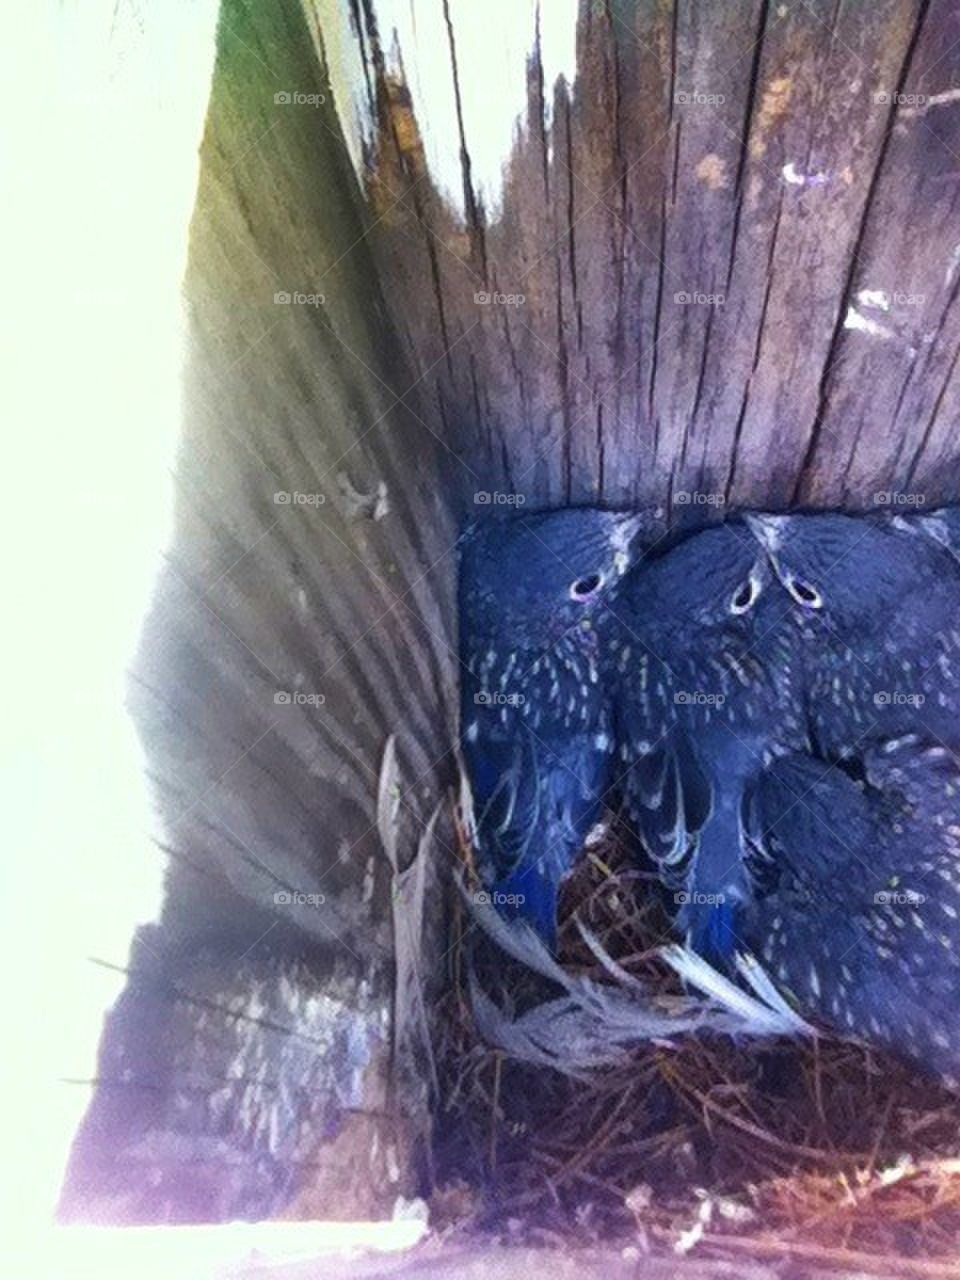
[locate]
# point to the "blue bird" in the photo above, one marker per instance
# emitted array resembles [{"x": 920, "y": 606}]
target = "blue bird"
[
  {"x": 857, "y": 910},
  {"x": 703, "y": 683},
  {"x": 535, "y": 593},
  {"x": 873, "y": 617}
]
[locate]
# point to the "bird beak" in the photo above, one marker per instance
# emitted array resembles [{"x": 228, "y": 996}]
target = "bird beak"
[
  {"x": 768, "y": 531},
  {"x": 625, "y": 529},
  {"x": 762, "y": 570},
  {"x": 628, "y": 526}
]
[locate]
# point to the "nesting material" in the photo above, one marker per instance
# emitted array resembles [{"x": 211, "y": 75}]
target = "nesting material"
[{"x": 797, "y": 1147}]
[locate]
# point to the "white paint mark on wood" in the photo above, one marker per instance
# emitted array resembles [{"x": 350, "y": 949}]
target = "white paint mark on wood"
[
  {"x": 792, "y": 175},
  {"x": 854, "y": 320},
  {"x": 878, "y": 298}
]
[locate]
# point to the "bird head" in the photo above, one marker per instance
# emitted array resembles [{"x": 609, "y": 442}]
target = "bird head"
[
  {"x": 713, "y": 579},
  {"x": 837, "y": 568},
  {"x": 533, "y": 580}
]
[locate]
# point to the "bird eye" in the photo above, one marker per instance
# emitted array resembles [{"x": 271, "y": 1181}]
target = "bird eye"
[
  {"x": 584, "y": 588},
  {"x": 804, "y": 592},
  {"x": 745, "y": 595}
]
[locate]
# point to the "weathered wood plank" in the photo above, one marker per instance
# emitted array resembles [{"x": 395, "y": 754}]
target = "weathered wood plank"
[
  {"x": 811, "y": 167},
  {"x": 255, "y": 1091},
  {"x": 890, "y": 392}
]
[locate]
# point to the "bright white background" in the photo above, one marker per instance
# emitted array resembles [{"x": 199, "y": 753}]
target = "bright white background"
[{"x": 103, "y": 120}]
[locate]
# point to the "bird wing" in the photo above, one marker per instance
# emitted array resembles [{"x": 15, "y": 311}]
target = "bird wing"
[
  {"x": 807, "y": 823},
  {"x": 535, "y": 798},
  {"x": 502, "y": 775},
  {"x": 668, "y": 799}
]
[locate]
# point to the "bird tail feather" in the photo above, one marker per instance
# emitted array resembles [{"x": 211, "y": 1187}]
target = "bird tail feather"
[{"x": 596, "y": 1024}]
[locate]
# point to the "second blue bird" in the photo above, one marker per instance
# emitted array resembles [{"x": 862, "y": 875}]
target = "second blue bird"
[{"x": 705, "y": 700}]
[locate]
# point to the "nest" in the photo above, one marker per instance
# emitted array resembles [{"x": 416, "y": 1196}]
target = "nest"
[{"x": 815, "y": 1149}]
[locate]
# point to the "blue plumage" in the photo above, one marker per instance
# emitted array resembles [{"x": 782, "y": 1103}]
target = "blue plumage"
[
  {"x": 857, "y": 912},
  {"x": 536, "y": 719},
  {"x": 778, "y": 699},
  {"x": 703, "y": 697},
  {"x": 872, "y": 615}
]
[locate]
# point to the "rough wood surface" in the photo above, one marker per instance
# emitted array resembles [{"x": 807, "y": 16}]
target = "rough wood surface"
[
  {"x": 778, "y": 159},
  {"x": 731, "y": 264}
]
